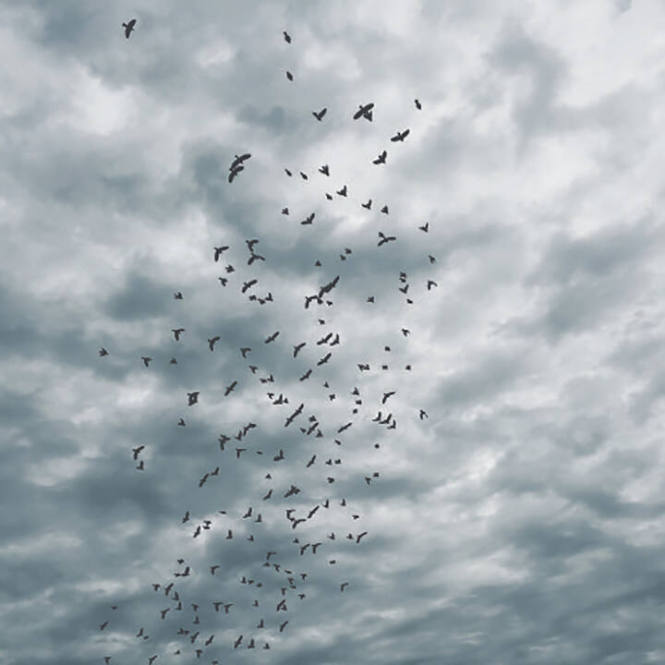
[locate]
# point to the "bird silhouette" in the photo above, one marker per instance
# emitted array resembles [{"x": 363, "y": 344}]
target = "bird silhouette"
[
  {"x": 103, "y": 352},
  {"x": 287, "y": 37},
  {"x": 219, "y": 251},
  {"x": 129, "y": 27},
  {"x": 384, "y": 239},
  {"x": 381, "y": 159},
  {"x": 325, "y": 170},
  {"x": 146, "y": 360},
  {"x": 271, "y": 338},
  {"x": 239, "y": 159},
  {"x": 400, "y": 136},
  {"x": 137, "y": 451},
  {"x": 140, "y": 466},
  {"x": 289, "y": 76},
  {"x": 364, "y": 110},
  {"x": 368, "y": 205},
  {"x": 235, "y": 171},
  {"x": 192, "y": 398},
  {"x": 418, "y": 104},
  {"x": 177, "y": 295},
  {"x": 342, "y": 192}
]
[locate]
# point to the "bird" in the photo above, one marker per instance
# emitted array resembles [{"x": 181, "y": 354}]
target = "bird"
[
  {"x": 146, "y": 360},
  {"x": 271, "y": 338},
  {"x": 324, "y": 360},
  {"x": 181, "y": 423},
  {"x": 223, "y": 280},
  {"x": 140, "y": 466},
  {"x": 423, "y": 414},
  {"x": 325, "y": 169},
  {"x": 359, "y": 536},
  {"x": 177, "y": 332},
  {"x": 212, "y": 341},
  {"x": 430, "y": 284},
  {"x": 287, "y": 36},
  {"x": 213, "y": 569},
  {"x": 152, "y": 659},
  {"x": 319, "y": 114},
  {"x": 103, "y": 351},
  {"x": 219, "y": 251},
  {"x": 342, "y": 192},
  {"x": 129, "y": 27},
  {"x": 102, "y": 626},
  {"x": 177, "y": 295},
  {"x": 405, "y": 332},
  {"x": 137, "y": 451},
  {"x": 368, "y": 205},
  {"x": 309, "y": 219},
  {"x": 230, "y": 388},
  {"x": 303, "y": 176},
  {"x": 297, "y": 348},
  {"x": 343, "y": 585},
  {"x": 381, "y": 159},
  {"x": 248, "y": 285},
  {"x": 289, "y": 76},
  {"x": 364, "y": 110},
  {"x": 282, "y": 626},
  {"x": 424, "y": 227},
  {"x": 236, "y": 644},
  {"x": 418, "y": 104},
  {"x": 400, "y": 136},
  {"x": 239, "y": 159},
  {"x": 245, "y": 350},
  {"x": 192, "y": 398},
  {"x": 306, "y": 375},
  {"x": 384, "y": 239},
  {"x": 386, "y": 396}
]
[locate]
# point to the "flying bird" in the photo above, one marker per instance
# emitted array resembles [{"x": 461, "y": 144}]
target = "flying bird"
[
  {"x": 289, "y": 76},
  {"x": 424, "y": 227},
  {"x": 239, "y": 159},
  {"x": 400, "y": 136},
  {"x": 297, "y": 348},
  {"x": 271, "y": 338},
  {"x": 418, "y": 104},
  {"x": 325, "y": 169},
  {"x": 129, "y": 27},
  {"x": 248, "y": 285},
  {"x": 219, "y": 251},
  {"x": 146, "y": 360},
  {"x": 177, "y": 295},
  {"x": 381, "y": 159},
  {"x": 364, "y": 110},
  {"x": 368, "y": 205},
  {"x": 192, "y": 398},
  {"x": 235, "y": 171},
  {"x": 384, "y": 239},
  {"x": 342, "y": 192},
  {"x": 230, "y": 388},
  {"x": 136, "y": 451},
  {"x": 212, "y": 341},
  {"x": 103, "y": 352},
  {"x": 287, "y": 37}
]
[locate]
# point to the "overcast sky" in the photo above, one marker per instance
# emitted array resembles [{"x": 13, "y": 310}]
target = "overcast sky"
[{"x": 512, "y": 504}]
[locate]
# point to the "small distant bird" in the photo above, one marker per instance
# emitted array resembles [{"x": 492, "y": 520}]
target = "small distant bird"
[
  {"x": 423, "y": 414},
  {"x": 219, "y": 251},
  {"x": 309, "y": 219},
  {"x": 212, "y": 341},
  {"x": 102, "y": 626},
  {"x": 319, "y": 114},
  {"x": 368, "y": 205},
  {"x": 287, "y": 37},
  {"x": 230, "y": 388},
  {"x": 303, "y": 176},
  {"x": 137, "y": 451},
  {"x": 325, "y": 169},
  {"x": 364, "y": 111},
  {"x": 342, "y": 192},
  {"x": 400, "y": 136},
  {"x": 384, "y": 239},
  {"x": 297, "y": 348},
  {"x": 129, "y": 27},
  {"x": 177, "y": 332},
  {"x": 381, "y": 159},
  {"x": 177, "y": 295},
  {"x": 430, "y": 284},
  {"x": 384, "y": 210},
  {"x": 236, "y": 644},
  {"x": 432, "y": 259},
  {"x": 424, "y": 227},
  {"x": 146, "y": 360},
  {"x": 289, "y": 76},
  {"x": 181, "y": 423},
  {"x": 103, "y": 352},
  {"x": 343, "y": 585},
  {"x": 235, "y": 171},
  {"x": 212, "y": 571},
  {"x": 271, "y": 338},
  {"x": 192, "y": 398},
  {"x": 418, "y": 104},
  {"x": 238, "y": 160}
]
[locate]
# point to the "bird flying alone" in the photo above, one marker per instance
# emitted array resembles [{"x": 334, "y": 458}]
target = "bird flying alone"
[
  {"x": 364, "y": 111},
  {"x": 319, "y": 114},
  {"x": 129, "y": 27}
]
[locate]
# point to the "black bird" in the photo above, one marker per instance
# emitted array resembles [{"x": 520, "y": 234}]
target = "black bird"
[
  {"x": 288, "y": 172},
  {"x": 285, "y": 211},
  {"x": 400, "y": 136},
  {"x": 103, "y": 352},
  {"x": 418, "y": 104},
  {"x": 303, "y": 176},
  {"x": 181, "y": 422},
  {"x": 235, "y": 171},
  {"x": 381, "y": 159},
  {"x": 223, "y": 280},
  {"x": 311, "y": 461},
  {"x": 289, "y": 76},
  {"x": 219, "y": 251},
  {"x": 319, "y": 115},
  {"x": 248, "y": 285},
  {"x": 325, "y": 170},
  {"x": 129, "y": 27},
  {"x": 324, "y": 360},
  {"x": 239, "y": 159},
  {"x": 306, "y": 375},
  {"x": 236, "y": 644},
  {"x": 268, "y": 495},
  {"x": 212, "y": 341},
  {"x": 177, "y": 295},
  {"x": 424, "y": 227},
  {"x": 297, "y": 348},
  {"x": 384, "y": 239},
  {"x": 245, "y": 350},
  {"x": 342, "y": 192},
  {"x": 329, "y": 196},
  {"x": 309, "y": 219},
  {"x": 364, "y": 111},
  {"x": 230, "y": 388},
  {"x": 192, "y": 398},
  {"x": 405, "y": 332},
  {"x": 287, "y": 37},
  {"x": 386, "y": 396},
  {"x": 238, "y": 451},
  {"x": 255, "y": 257},
  {"x": 282, "y": 626},
  {"x": 423, "y": 414},
  {"x": 146, "y": 360},
  {"x": 177, "y": 332},
  {"x": 271, "y": 338},
  {"x": 136, "y": 451},
  {"x": 368, "y": 205},
  {"x": 430, "y": 284},
  {"x": 103, "y": 625},
  {"x": 140, "y": 466},
  {"x": 342, "y": 585}
]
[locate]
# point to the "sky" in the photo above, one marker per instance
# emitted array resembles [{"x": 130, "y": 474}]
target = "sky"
[{"x": 493, "y": 480}]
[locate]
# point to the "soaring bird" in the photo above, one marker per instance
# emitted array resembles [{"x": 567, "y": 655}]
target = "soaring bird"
[
  {"x": 136, "y": 451},
  {"x": 418, "y": 104},
  {"x": 102, "y": 626},
  {"x": 319, "y": 114},
  {"x": 248, "y": 285},
  {"x": 297, "y": 348},
  {"x": 177, "y": 295},
  {"x": 129, "y": 27},
  {"x": 192, "y": 398},
  {"x": 309, "y": 219},
  {"x": 342, "y": 192},
  {"x": 325, "y": 169},
  {"x": 239, "y": 159},
  {"x": 212, "y": 341},
  {"x": 235, "y": 171},
  {"x": 368, "y": 205},
  {"x": 103, "y": 352},
  {"x": 400, "y": 136},
  {"x": 177, "y": 332},
  {"x": 146, "y": 360},
  {"x": 219, "y": 251},
  {"x": 424, "y": 227},
  {"x": 230, "y": 388},
  {"x": 384, "y": 239},
  {"x": 381, "y": 159},
  {"x": 287, "y": 36},
  {"x": 236, "y": 644},
  {"x": 271, "y": 338},
  {"x": 364, "y": 110},
  {"x": 289, "y": 76}
]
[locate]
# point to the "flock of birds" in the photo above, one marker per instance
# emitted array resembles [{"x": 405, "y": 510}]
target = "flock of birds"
[{"x": 268, "y": 593}]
